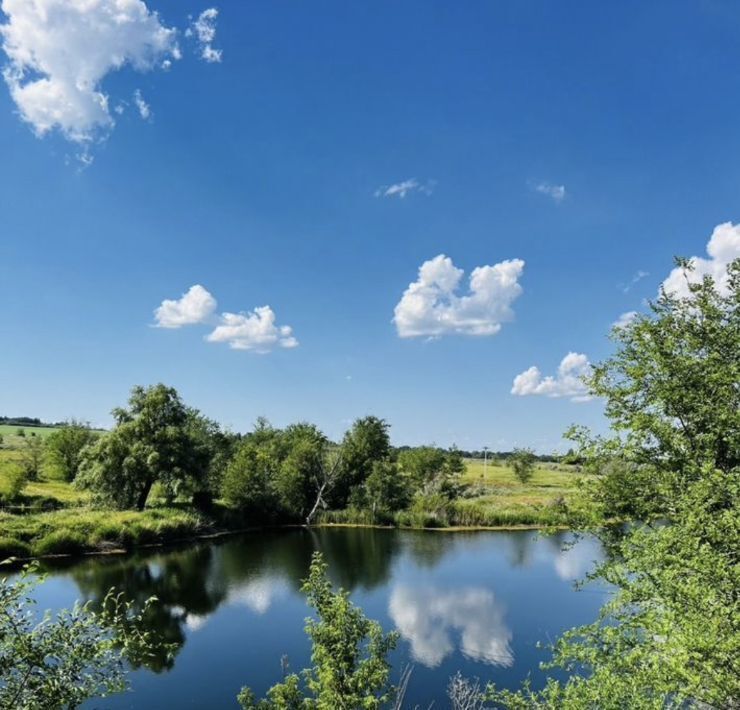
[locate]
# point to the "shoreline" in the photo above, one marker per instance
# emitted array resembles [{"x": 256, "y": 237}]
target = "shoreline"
[{"x": 112, "y": 549}]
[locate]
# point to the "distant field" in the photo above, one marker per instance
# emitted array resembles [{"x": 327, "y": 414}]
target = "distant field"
[
  {"x": 10, "y": 430},
  {"x": 497, "y": 487}
]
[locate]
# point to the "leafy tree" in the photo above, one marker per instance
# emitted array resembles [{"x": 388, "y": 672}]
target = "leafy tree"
[
  {"x": 350, "y": 667},
  {"x": 366, "y": 443},
  {"x": 151, "y": 442},
  {"x": 432, "y": 470},
  {"x": 385, "y": 489},
  {"x": 670, "y": 636},
  {"x": 249, "y": 478},
  {"x": 32, "y": 457},
  {"x": 64, "y": 447},
  {"x": 523, "y": 462},
  {"x": 20, "y": 432},
  {"x": 62, "y": 661}
]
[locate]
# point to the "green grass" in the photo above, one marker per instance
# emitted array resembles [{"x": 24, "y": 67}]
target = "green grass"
[
  {"x": 493, "y": 498},
  {"x": 9, "y": 431}
]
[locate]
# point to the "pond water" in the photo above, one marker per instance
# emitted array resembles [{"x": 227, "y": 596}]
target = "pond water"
[{"x": 471, "y": 602}]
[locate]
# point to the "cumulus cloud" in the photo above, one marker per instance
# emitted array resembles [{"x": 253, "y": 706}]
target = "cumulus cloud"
[
  {"x": 255, "y": 331},
  {"x": 401, "y": 189},
  {"x": 60, "y": 51},
  {"x": 723, "y": 247},
  {"x": 625, "y": 319},
  {"x": 427, "y": 618},
  {"x": 203, "y": 29},
  {"x": 555, "y": 192},
  {"x": 567, "y": 383},
  {"x": 195, "y": 306},
  {"x": 431, "y": 307}
]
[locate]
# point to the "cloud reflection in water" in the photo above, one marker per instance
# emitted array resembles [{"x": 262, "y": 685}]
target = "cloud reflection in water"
[{"x": 427, "y": 618}]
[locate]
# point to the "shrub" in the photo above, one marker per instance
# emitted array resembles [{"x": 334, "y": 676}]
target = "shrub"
[
  {"x": 10, "y": 547},
  {"x": 60, "y": 542}
]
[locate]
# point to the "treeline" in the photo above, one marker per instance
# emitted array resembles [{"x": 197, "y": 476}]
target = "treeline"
[
  {"x": 160, "y": 447},
  {"x": 29, "y": 422}
]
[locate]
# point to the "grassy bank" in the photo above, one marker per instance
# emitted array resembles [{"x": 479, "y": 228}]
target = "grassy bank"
[{"x": 53, "y": 517}]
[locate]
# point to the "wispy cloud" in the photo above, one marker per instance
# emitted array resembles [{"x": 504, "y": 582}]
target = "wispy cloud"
[
  {"x": 203, "y": 28},
  {"x": 556, "y": 192},
  {"x": 431, "y": 307},
  {"x": 406, "y": 187},
  {"x": 625, "y": 319},
  {"x": 639, "y": 276},
  {"x": 145, "y": 110},
  {"x": 569, "y": 381}
]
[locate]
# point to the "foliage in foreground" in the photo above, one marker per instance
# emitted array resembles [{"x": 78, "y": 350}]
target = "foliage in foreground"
[
  {"x": 61, "y": 661},
  {"x": 665, "y": 503},
  {"x": 350, "y": 668}
]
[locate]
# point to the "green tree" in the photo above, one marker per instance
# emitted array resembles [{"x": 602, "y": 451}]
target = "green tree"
[
  {"x": 522, "y": 463},
  {"x": 64, "y": 447},
  {"x": 670, "y": 481},
  {"x": 385, "y": 489},
  {"x": 63, "y": 660},
  {"x": 349, "y": 656},
  {"x": 150, "y": 443},
  {"x": 32, "y": 457},
  {"x": 249, "y": 479},
  {"x": 365, "y": 444},
  {"x": 432, "y": 470}
]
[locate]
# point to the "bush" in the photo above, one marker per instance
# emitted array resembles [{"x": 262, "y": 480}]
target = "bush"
[
  {"x": 10, "y": 547},
  {"x": 60, "y": 542}
]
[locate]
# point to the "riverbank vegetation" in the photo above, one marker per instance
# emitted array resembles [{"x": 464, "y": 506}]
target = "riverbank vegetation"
[
  {"x": 166, "y": 473},
  {"x": 664, "y": 500}
]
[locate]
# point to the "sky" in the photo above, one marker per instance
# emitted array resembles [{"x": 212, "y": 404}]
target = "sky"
[{"x": 432, "y": 212}]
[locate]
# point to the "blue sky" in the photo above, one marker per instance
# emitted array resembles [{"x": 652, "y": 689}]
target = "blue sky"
[{"x": 261, "y": 177}]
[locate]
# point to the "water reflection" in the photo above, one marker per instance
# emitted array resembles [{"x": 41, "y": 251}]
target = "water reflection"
[{"x": 428, "y": 618}]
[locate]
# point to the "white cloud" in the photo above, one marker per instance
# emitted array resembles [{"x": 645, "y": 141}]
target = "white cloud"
[
  {"x": 723, "y": 247},
  {"x": 567, "y": 383},
  {"x": 60, "y": 51},
  {"x": 556, "y": 192},
  {"x": 255, "y": 331},
  {"x": 145, "y": 110},
  {"x": 430, "y": 306},
  {"x": 639, "y": 276},
  {"x": 625, "y": 319},
  {"x": 427, "y": 617},
  {"x": 204, "y": 30},
  {"x": 195, "y": 306},
  {"x": 401, "y": 189}
]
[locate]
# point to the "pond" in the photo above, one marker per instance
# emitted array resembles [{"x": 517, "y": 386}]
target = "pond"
[{"x": 475, "y": 602}]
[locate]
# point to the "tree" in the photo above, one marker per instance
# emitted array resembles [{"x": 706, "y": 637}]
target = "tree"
[
  {"x": 385, "y": 489},
  {"x": 665, "y": 498},
  {"x": 432, "y": 470},
  {"x": 523, "y": 462},
  {"x": 65, "y": 660},
  {"x": 349, "y": 656},
  {"x": 32, "y": 457},
  {"x": 249, "y": 479},
  {"x": 64, "y": 447},
  {"x": 150, "y": 443},
  {"x": 366, "y": 443}
]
